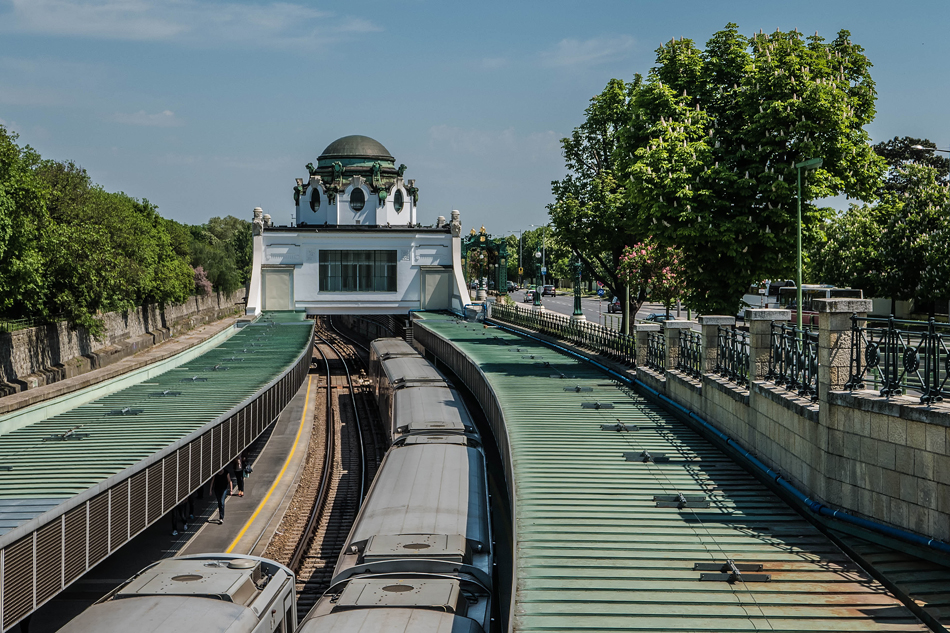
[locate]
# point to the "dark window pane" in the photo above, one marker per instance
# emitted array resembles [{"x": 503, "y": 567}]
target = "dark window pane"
[
  {"x": 315, "y": 199},
  {"x": 398, "y": 200},
  {"x": 357, "y": 271},
  {"x": 357, "y": 199}
]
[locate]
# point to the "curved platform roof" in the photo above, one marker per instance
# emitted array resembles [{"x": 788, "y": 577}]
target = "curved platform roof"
[{"x": 601, "y": 540}]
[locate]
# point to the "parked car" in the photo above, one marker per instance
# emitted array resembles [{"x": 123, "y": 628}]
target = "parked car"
[
  {"x": 548, "y": 290},
  {"x": 474, "y": 284},
  {"x": 529, "y": 296},
  {"x": 512, "y": 286},
  {"x": 614, "y": 305},
  {"x": 658, "y": 317}
]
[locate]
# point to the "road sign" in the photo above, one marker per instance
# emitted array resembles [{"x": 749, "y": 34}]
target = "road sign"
[
  {"x": 600, "y": 292},
  {"x": 600, "y": 284},
  {"x": 520, "y": 270},
  {"x": 544, "y": 270}
]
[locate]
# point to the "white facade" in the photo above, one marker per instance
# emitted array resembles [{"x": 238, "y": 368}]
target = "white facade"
[{"x": 286, "y": 269}]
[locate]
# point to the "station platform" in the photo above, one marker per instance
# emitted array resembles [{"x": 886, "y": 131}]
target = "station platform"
[
  {"x": 626, "y": 518},
  {"x": 278, "y": 458},
  {"x": 77, "y": 486}
]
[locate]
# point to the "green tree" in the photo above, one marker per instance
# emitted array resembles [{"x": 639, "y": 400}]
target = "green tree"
[
  {"x": 655, "y": 270},
  {"x": 23, "y": 218},
  {"x": 592, "y": 213},
  {"x": 712, "y": 139},
  {"x": 899, "y": 152}
]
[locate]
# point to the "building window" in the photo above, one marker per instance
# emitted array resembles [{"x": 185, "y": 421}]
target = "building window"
[
  {"x": 357, "y": 271},
  {"x": 315, "y": 199},
  {"x": 398, "y": 200},
  {"x": 357, "y": 199}
]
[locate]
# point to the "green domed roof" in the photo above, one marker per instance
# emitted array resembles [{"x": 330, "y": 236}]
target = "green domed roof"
[{"x": 356, "y": 147}]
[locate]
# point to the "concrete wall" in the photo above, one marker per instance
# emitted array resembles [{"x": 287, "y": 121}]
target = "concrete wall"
[{"x": 38, "y": 356}]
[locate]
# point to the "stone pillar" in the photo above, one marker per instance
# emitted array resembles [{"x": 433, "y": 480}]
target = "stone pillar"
[
  {"x": 709, "y": 326},
  {"x": 834, "y": 341},
  {"x": 641, "y": 334},
  {"x": 760, "y": 321},
  {"x": 671, "y": 329}
]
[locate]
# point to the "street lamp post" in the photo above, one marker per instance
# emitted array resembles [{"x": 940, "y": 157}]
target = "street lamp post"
[
  {"x": 811, "y": 163},
  {"x": 576, "y": 268}
]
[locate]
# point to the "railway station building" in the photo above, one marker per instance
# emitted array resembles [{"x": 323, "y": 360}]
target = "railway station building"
[{"x": 358, "y": 244}]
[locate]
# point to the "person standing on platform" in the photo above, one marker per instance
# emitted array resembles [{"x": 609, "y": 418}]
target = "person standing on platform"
[
  {"x": 237, "y": 469},
  {"x": 221, "y": 488}
]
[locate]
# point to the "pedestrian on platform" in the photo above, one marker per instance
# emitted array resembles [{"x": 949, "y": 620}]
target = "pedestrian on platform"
[
  {"x": 237, "y": 468},
  {"x": 221, "y": 488}
]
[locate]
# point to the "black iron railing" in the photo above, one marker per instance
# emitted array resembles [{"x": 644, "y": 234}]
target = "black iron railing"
[
  {"x": 690, "y": 359},
  {"x": 656, "y": 351},
  {"x": 593, "y": 336},
  {"x": 898, "y": 356},
  {"x": 793, "y": 359},
  {"x": 732, "y": 355}
]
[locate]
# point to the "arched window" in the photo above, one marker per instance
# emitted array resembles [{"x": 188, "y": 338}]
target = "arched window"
[
  {"x": 398, "y": 200},
  {"x": 315, "y": 199},
  {"x": 357, "y": 199}
]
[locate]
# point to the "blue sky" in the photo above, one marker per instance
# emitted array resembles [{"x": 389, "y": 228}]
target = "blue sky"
[{"x": 213, "y": 108}]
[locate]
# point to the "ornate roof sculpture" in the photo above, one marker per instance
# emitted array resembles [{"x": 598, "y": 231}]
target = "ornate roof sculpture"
[{"x": 355, "y": 156}]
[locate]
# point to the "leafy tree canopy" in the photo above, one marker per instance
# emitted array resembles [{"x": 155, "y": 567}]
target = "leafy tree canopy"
[{"x": 711, "y": 142}]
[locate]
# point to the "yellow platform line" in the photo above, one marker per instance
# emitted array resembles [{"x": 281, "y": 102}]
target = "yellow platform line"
[{"x": 280, "y": 475}]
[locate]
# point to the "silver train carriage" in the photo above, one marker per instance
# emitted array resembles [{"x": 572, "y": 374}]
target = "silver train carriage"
[
  {"x": 224, "y": 593},
  {"x": 383, "y": 349},
  {"x": 419, "y": 556}
]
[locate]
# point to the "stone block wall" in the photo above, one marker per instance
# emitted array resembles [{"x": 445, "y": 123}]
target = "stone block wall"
[
  {"x": 887, "y": 460},
  {"x": 33, "y": 357}
]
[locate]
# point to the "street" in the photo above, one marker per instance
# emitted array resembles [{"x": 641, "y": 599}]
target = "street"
[{"x": 595, "y": 308}]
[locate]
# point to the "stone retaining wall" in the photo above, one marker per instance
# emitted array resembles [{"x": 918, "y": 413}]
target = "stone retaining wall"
[{"x": 38, "y": 356}]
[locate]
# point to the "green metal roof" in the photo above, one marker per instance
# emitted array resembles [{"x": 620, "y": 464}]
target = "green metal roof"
[
  {"x": 47, "y": 463},
  {"x": 594, "y": 552}
]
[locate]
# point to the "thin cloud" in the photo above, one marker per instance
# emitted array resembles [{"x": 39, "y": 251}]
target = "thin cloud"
[
  {"x": 194, "y": 22},
  {"x": 582, "y": 53},
  {"x": 165, "y": 118}
]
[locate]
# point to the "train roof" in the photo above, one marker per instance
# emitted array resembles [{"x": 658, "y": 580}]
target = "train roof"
[
  {"x": 391, "y": 347},
  {"x": 160, "y": 614},
  {"x": 436, "y": 489},
  {"x": 392, "y": 620},
  {"x": 407, "y": 370},
  {"x": 431, "y": 408}
]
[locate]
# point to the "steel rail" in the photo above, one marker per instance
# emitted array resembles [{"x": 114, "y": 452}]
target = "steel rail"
[
  {"x": 356, "y": 416},
  {"x": 303, "y": 543}
]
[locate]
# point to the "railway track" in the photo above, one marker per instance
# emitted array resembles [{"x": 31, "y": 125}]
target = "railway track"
[{"x": 345, "y": 450}]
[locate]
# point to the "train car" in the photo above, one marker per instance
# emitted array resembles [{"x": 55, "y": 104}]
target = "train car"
[
  {"x": 431, "y": 414},
  {"x": 403, "y": 372},
  {"x": 383, "y": 349},
  {"x": 205, "y": 592},
  {"x": 419, "y": 555}
]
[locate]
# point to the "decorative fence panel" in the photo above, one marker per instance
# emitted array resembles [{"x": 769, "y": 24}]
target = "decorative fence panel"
[
  {"x": 690, "y": 360},
  {"x": 732, "y": 355},
  {"x": 793, "y": 359},
  {"x": 898, "y": 356}
]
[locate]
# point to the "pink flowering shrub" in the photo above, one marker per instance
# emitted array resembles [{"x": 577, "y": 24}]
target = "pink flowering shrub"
[
  {"x": 202, "y": 283},
  {"x": 657, "y": 269}
]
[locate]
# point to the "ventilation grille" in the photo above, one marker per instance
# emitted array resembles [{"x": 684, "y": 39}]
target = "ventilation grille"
[
  {"x": 170, "y": 482},
  {"x": 154, "y": 492},
  {"x": 18, "y": 581},
  {"x": 98, "y": 528},
  {"x": 49, "y": 561},
  {"x": 231, "y": 428},
  {"x": 194, "y": 469},
  {"x": 205, "y": 442},
  {"x": 137, "y": 518},
  {"x": 184, "y": 485},
  {"x": 216, "y": 452},
  {"x": 119, "y": 515},
  {"x": 75, "y": 556}
]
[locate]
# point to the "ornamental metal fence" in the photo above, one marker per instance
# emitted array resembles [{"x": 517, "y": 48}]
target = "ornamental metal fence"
[
  {"x": 732, "y": 355},
  {"x": 793, "y": 359},
  {"x": 898, "y": 356},
  {"x": 656, "y": 351},
  {"x": 690, "y": 359},
  {"x": 593, "y": 336}
]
